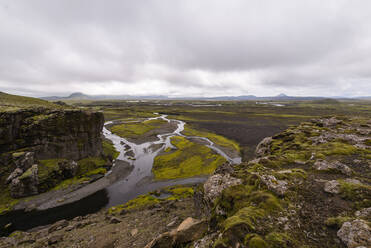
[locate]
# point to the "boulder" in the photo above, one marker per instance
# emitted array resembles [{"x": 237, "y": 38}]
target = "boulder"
[
  {"x": 355, "y": 233},
  {"x": 16, "y": 173},
  {"x": 323, "y": 165},
  {"x": 364, "y": 213},
  {"x": 68, "y": 168},
  {"x": 24, "y": 160},
  {"x": 134, "y": 232},
  {"x": 263, "y": 147},
  {"x": 26, "y": 184},
  {"x": 189, "y": 230},
  {"x": 216, "y": 183},
  {"x": 114, "y": 220},
  {"x": 327, "y": 122},
  {"x": 332, "y": 186},
  {"x": 277, "y": 186}
]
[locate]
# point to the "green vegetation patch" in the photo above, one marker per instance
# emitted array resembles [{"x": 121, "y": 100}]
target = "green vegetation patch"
[
  {"x": 48, "y": 173},
  {"x": 6, "y": 201},
  {"x": 217, "y": 139},
  {"x": 255, "y": 241},
  {"x": 137, "y": 129},
  {"x": 279, "y": 240},
  {"x": 190, "y": 159},
  {"x": 109, "y": 149},
  {"x": 88, "y": 165},
  {"x": 179, "y": 192},
  {"x": 359, "y": 194},
  {"x": 176, "y": 192},
  {"x": 337, "y": 221}
]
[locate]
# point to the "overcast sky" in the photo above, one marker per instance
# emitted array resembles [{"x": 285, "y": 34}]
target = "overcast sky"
[{"x": 186, "y": 47}]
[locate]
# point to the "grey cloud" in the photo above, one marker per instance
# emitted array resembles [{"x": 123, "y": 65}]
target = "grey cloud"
[{"x": 185, "y": 47}]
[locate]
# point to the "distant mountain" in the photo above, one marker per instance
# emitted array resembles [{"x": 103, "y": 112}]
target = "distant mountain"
[
  {"x": 82, "y": 96},
  {"x": 280, "y": 97}
]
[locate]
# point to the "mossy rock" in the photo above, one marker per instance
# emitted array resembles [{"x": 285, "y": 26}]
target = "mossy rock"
[
  {"x": 279, "y": 240},
  {"x": 338, "y": 221}
]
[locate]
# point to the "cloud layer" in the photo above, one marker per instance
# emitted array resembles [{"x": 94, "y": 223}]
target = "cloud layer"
[{"x": 193, "y": 48}]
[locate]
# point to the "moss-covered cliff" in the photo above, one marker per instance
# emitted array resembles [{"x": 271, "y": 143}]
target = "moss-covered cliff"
[
  {"x": 42, "y": 146},
  {"x": 72, "y": 134}
]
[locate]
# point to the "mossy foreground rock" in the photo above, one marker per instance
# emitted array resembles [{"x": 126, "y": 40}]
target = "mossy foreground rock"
[{"x": 282, "y": 198}]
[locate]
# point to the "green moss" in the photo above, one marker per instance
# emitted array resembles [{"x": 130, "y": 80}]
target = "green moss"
[
  {"x": 240, "y": 196},
  {"x": 337, "y": 148},
  {"x": 291, "y": 174},
  {"x": 279, "y": 240},
  {"x": 243, "y": 221},
  {"x": 359, "y": 194},
  {"x": 135, "y": 130},
  {"x": 136, "y": 203},
  {"x": 257, "y": 242},
  {"x": 179, "y": 192},
  {"x": 89, "y": 164},
  {"x": 17, "y": 154},
  {"x": 217, "y": 139},
  {"x": 50, "y": 176},
  {"x": 266, "y": 201},
  {"x": 26, "y": 174},
  {"x": 140, "y": 201},
  {"x": 337, "y": 221},
  {"x": 47, "y": 173},
  {"x": 100, "y": 171},
  {"x": 221, "y": 243},
  {"x": 190, "y": 159},
  {"x": 6, "y": 201},
  {"x": 71, "y": 181},
  {"x": 368, "y": 142},
  {"x": 41, "y": 117},
  {"x": 176, "y": 192},
  {"x": 109, "y": 149}
]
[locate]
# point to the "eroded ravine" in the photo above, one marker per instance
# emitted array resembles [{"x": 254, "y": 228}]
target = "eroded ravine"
[{"x": 108, "y": 191}]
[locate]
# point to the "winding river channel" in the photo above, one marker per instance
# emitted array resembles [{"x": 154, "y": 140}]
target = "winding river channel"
[
  {"x": 141, "y": 157},
  {"x": 106, "y": 192}
]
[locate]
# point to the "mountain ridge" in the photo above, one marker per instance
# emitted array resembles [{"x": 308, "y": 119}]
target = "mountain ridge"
[{"x": 281, "y": 96}]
